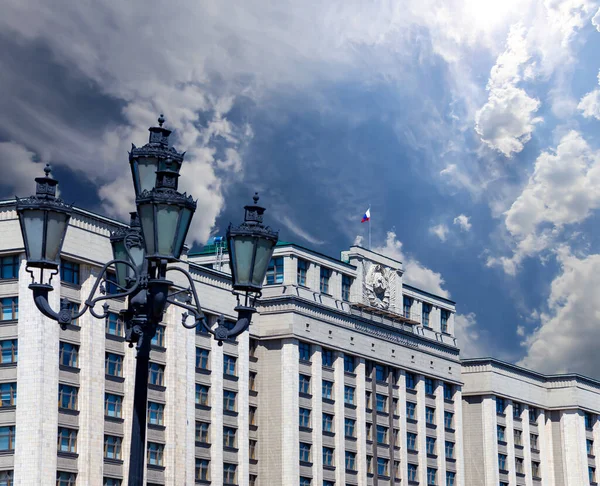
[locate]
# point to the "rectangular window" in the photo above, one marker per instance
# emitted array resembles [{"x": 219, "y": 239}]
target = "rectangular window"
[
  {"x": 518, "y": 437},
  {"x": 252, "y": 415},
  {"x": 113, "y": 405},
  {"x": 328, "y": 456},
  {"x": 305, "y": 481},
  {"x": 327, "y": 423},
  {"x": 202, "y": 360},
  {"x": 327, "y": 357},
  {"x": 431, "y": 476},
  {"x": 591, "y": 474},
  {"x": 275, "y": 271},
  {"x": 501, "y": 433},
  {"x": 65, "y": 478},
  {"x": 412, "y": 472},
  {"x": 444, "y": 320},
  {"x": 380, "y": 373},
  {"x": 430, "y": 415},
  {"x": 450, "y": 478},
  {"x": 502, "y": 462},
  {"x": 304, "y": 351},
  {"x": 325, "y": 275},
  {"x": 67, "y": 440},
  {"x": 113, "y": 364},
  {"x": 304, "y": 384},
  {"x": 429, "y": 386},
  {"x": 519, "y": 469},
  {"x": 448, "y": 420},
  {"x": 327, "y": 390},
  {"x": 202, "y": 432},
  {"x": 112, "y": 447},
  {"x": 448, "y": 391},
  {"x": 302, "y": 269},
  {"x": 535, "y": 470},
  {"x": 589, "y": 420},
  {"x": 202, "y": 469},
  {"x": 346, "y": 285},
  {"x": 69, "y": 272},
  {"x": 369, "y": 430},
  {"x": 410, "y": 381},
  {"x": 7, "y": 438},
  {"x": 156, "y": 412},
  {"x": 69, "y": 355},
  {"x": 229, "y": 437},
  {"x": 349, "y": 395},
  {"x": 411, "y": 410},
  {"x": 304, "y": 417},
  {"x": 411, "y": 441},
  {"x": 159, "y": 337},
  {"x": 368, "y": 402},
  {"x": 381, "y": 402},
  {"x": 304, "y": 452},
  {"x": 113, "y": 324},
  {"x": 8, "y": 394},
  {"x": 430, "y": 445},
  {"x": 426, "y": 313},
  {"x": 252, "y": 450},
  {"x": 533, "y": 438},
  {"x": 253, "y": 348},
  {"x": 533, "y": 414},
  {"x": 229, "y": 473},
  {"x": 156, "y": 374},
  {"x": 382, "y": 434},
  {"x": 350, "y": 461},
  {"x": 449, "y": 449},
  {"x": 500, "y": 405},
  {"x": 67, "y": 396},
  {"x": 516, "y": 410},
  {"x": 229, "y": 400},
  {"x": 10, "y": 350},
  {"x": 9, "y": 308},
  {"x": 155, "y": 454},
  {"x": 407, "y": 304},
  {"x": 383, "y": 466},
  {"x": 229, "y": 365},
  {"x": 111, "y": 283},
  {"x": 349, "y": 366},
  {"x": 9, "y": 268},
  {"x": 252, "y": 381},
  {"x": 589, "y": 445},
  {"x": 349, "y": 427}
]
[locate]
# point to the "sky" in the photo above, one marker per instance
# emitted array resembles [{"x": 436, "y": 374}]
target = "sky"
[{"x": 470, "y": 128}]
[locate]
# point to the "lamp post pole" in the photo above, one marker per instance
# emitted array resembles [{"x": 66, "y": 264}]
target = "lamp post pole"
[{"x": 141, "y": 255}]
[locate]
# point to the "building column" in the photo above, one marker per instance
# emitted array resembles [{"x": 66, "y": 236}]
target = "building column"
[
  {"x": 440, "y": 433},
  {"x": 490, "y": 440},
  {"x": 129, "y": 362},
  {"x": 317, "y": 415},
  {"x": 510, "y": 443},
  {"x": 216, "y": 412},
  {"x": 361, "y": 424},
  {"x": 243, "y": 341},
  {"x": 596, "y": 449},
  {"x": 290, "y": 445},
  {"x": 179, "y": 415},
  {"x": 340, "y": 454},
  {"x": 459, "y": 439},
  {"x": 402, "y": 437},
  {"x": 527, "y": 446},
  {"x": 37, "y": 378},
  {"x": 575, "y": 455},
  {"x": 421, "y": 429},
  {"x": 546, "y": 445},
  {"x": 90, "y": 439}
]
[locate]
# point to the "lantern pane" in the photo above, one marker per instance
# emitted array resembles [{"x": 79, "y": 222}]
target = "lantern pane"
[
  {"x": 137, "y": 253},
  {"x": 33, "y": 219},
  {"x": 184, "y": 224},
  {"x": 146, "y": 173},
  {"x": 119, "y": 253},
  {"x": 167, "y": 216},
  {"x": 243, "y": 249},
  {"x": 264, "y": 250},
  {"x": 146, "y": 212},
  {"x": 55, "y": 234}
]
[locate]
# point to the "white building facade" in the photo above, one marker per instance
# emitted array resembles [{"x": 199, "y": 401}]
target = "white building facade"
[{"x": 347, "y": 376}]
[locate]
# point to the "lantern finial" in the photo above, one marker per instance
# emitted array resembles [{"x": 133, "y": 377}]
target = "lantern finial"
[
  {"x": 161, "y": 120},
  {"x": 48, "y": 170}
]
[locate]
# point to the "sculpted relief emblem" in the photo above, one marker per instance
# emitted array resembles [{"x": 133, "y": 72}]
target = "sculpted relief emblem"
[{"x": 377, "y": 286}]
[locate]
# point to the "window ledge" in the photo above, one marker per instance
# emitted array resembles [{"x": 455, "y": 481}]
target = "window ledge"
[
  {"x": 156, "y": 426},
  {"x": 231, "y": 413},
  {"x": 202, "y": 371},
  {"x": 328, "y": 433},
  {"x": 115, "y": 337},
  {"x": 11, "y": 364},
  {"x": 199, "y": 406},
  {"x": 306, "y": 463},
  {"x": 117, "y": 420},
  {"x": 305, "y": 429},
  {"x": 305, "y": 395},
  {"x": 203, "y": 445},
  {"x": 71, "y": 369},
  {"x": 116, "y": 379},
  {"x": 109, "y": 460},
  {"x": 156, "y": 467},
  {"x": 70, "y": 455},
  {"x": 230, "y": 449},
  {"x": 328, "y": 467},
  {"x": 66, "y": 411},
  {"x": 231, "y": 377},
  {"x": 161, "y": 388}
]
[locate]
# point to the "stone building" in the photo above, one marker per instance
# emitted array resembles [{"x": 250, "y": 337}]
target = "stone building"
[{"x": 347, "y": 376}]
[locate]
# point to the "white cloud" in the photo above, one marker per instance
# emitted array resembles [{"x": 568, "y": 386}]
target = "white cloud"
[
  {"x": 415, "y": 273},
  {"x": 472, "y": 341},
  {"x": 22, "y": 168},
  {"x": 566, "y": 340},
  {"x": 298, "y": 231},
  {"x": 520, "y": 330},
  {"x": 590, "y": 103},
  {"x": 596, "y": 20},
  {"x": 564, "y": 189},
  {"x": 463, "y": 222},
  {"x": 440, "y": 230},
  {"x": 507, "y": 120}
]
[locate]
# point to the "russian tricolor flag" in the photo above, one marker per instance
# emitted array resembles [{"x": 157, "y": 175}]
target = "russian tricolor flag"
[{"x": 367, "y": 216}]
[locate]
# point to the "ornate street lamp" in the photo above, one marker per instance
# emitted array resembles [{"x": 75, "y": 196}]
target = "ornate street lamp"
[{"x": 141, "y": 255}]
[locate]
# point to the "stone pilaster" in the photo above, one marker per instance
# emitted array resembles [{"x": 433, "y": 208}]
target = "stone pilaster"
[
  {"x": 317, "y": 415},
  {"x": 216, "y": 412},
  {"x": 90, "y": 439},
  {"x": 290, "y": 466},
  {"x": 402, "y": 439},
  {"x": 440, "y": 433},
  {"x": 546, "y": 447},
  {"x": 527, "y": 447},
  {"x": 490, "y": 444},
  {"x": 243, "y": 432},
  {"x": 340, "y": 454},
  {"x": 460, "y": 443},
  {"x": 37, "y": 378},
  {"x": 510, "y": 443},
  {"x": 575, "y": 455},
  {"x": 421, "y": 430},
  {"x": 361, "y": 423}
]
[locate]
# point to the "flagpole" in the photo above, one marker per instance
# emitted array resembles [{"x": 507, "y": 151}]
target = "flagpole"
[{"x": 369, "y": 227}]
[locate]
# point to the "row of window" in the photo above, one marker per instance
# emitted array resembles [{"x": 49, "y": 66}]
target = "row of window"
[
  {"x": 518, "y": 437},
  {"x": 203, "y": 362},
  {"x": 425, "y": 313},
  {"x": 275, "y": 276},
  {"x": 203, "y": 397},
  {"x": 519, "y": 465},
  {"x": 229, "y": 472}
]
